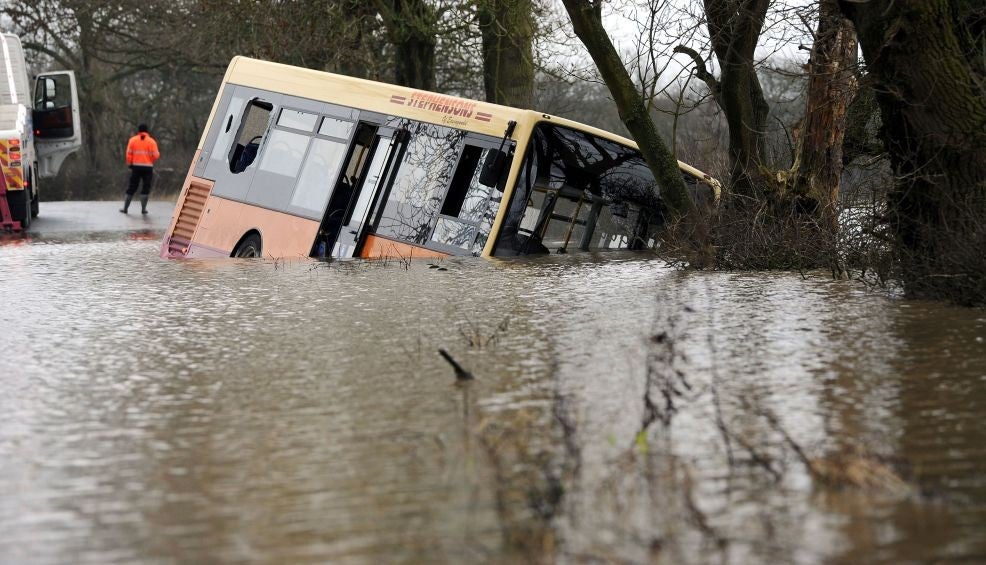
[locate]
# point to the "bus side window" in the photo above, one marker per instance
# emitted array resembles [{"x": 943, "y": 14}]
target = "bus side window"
[
  {"x": 465, "y": 186},
  {"x": 415, "y": 196},
  {"x": 253, "y": 126},
  {"x": 470, "y": 206}
]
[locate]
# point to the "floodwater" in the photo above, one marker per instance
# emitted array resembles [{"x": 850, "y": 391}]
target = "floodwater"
[{"x": 163, "y": 411}]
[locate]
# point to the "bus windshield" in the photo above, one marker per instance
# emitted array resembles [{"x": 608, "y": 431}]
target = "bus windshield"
[{"x": 580, "y": 191}]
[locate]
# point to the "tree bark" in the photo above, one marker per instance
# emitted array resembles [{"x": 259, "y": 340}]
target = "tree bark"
[
  {"x": 586, "y": 16},
  {"x": 831, "y": 87},
  {"x": 927, "y": 62},
  {"x": 507, "y": 29},
  {"x": 860, "y": 140},
  {"x": 411, "y": 25},
  {"x": 360, "y": 18},
  {"x": 734, "y": 28}
]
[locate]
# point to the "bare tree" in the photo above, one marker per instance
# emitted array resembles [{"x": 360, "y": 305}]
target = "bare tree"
[
  {"x": 586, "y": 16},
  {"x": 132, "y": 67},
  {"x": 831, "y": 87},
  {"x": 734, "y": 30},
  {"x": 507, "y": 28},
  {"x": 101, "y": 44},
  {"x": 926, "y": 60},
  {"x": 412, "y": 26}
]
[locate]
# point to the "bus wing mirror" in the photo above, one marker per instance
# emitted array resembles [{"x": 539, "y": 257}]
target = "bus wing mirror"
[{"x": 493, "y": 165}]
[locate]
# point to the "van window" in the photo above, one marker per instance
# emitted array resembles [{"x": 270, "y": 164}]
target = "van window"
[
  {"x": 53, "y": 107},
  {"x": 253, "y": 124},
  {"x": 53, "y": 92}
]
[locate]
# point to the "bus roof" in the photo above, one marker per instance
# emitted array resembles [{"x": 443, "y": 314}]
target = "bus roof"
[{"x": 453, "y": 111}]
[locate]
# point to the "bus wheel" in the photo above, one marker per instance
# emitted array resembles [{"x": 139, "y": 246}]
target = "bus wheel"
[{"x": 249, "y": 247}]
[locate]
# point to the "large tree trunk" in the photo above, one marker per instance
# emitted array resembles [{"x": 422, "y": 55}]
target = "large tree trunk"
[
  {"x": 411, "y": 25},
  {"x": 860, "y": 139},
  {"x": 927, "y": 62},
  {"x": 734, "y": 27},
  {"x": 352, "y": 23},
  {"x": 831, "y": 87},
  {"x": 586, "y": 16},
  {"x": 90, "y": 89},
  {"x": 507, "y": 28}
]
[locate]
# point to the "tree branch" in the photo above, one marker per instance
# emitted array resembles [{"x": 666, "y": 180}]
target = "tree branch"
[{"x": 701, "y": 71}]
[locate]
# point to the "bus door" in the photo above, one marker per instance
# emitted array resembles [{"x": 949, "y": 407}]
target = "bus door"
[{"x": 364, "y": 175}]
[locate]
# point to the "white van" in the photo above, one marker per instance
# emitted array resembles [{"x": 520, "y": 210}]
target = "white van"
[{"x": 36, "y": 133}]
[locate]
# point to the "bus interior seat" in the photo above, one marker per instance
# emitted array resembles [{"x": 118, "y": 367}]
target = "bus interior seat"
[
  {"x": 247, "y": 153},
  {"x": 234, "y": 159}
]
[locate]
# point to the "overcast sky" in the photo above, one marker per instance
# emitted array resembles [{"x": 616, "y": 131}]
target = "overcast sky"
[{"x": 679, "y": 22}]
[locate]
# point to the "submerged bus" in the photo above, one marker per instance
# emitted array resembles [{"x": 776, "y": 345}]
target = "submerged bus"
[{"x": 296, "y": 162}]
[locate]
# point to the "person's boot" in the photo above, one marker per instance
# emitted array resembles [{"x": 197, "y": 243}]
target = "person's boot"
[
  {"x": 143, "y": 204},
  {"x": 126, "y": 203}
]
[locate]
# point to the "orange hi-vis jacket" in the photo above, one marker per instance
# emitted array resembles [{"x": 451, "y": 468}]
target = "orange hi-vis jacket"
[{"x": 142, "y": 150}]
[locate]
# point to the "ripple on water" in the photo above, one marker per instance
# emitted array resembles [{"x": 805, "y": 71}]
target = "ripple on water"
[{"x": 238, "y": 410}]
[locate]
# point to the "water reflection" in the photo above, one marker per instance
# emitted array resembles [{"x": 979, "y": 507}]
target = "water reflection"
[
  {"x": 14, "y": 239},
  {"x": 621, "y": 412}
]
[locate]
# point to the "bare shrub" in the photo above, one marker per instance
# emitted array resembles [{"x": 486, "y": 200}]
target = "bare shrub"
[
  {"x": 942, "y": 257},
  {"x": 749, "y": 233}
]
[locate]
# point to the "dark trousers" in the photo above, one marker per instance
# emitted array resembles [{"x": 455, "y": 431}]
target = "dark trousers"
[{"x": 140, "y": 174}]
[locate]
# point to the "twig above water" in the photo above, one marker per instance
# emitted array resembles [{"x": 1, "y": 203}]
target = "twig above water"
[{"x": 460, "y": 373}]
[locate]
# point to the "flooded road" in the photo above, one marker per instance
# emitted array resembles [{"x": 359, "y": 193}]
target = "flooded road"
[
  {"x": 258, "y": 411},
  {"x": 98, "y": 217}
]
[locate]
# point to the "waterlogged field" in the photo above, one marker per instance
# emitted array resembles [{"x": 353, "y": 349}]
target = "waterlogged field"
[{"x": 621, "y": 411}]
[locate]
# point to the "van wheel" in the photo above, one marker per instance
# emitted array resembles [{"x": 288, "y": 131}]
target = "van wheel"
[{"x": 249, "y": 247}]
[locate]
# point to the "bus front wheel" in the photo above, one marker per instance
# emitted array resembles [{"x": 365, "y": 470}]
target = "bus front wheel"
[{"x": 248, "y": 247}]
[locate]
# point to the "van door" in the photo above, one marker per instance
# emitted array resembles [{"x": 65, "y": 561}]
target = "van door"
[{"x": 56, "y": 124}]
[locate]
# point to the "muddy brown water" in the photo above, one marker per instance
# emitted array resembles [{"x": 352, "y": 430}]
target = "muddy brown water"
[{"x": 251, "y": 411}]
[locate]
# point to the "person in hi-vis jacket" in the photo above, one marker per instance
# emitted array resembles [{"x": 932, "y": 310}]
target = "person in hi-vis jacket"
[{"x": 141, "y": 154}]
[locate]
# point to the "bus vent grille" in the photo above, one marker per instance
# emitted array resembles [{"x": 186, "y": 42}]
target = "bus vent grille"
[
  {"x": 188, "y": 217},
  {"x": 177, "y": 247}
]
